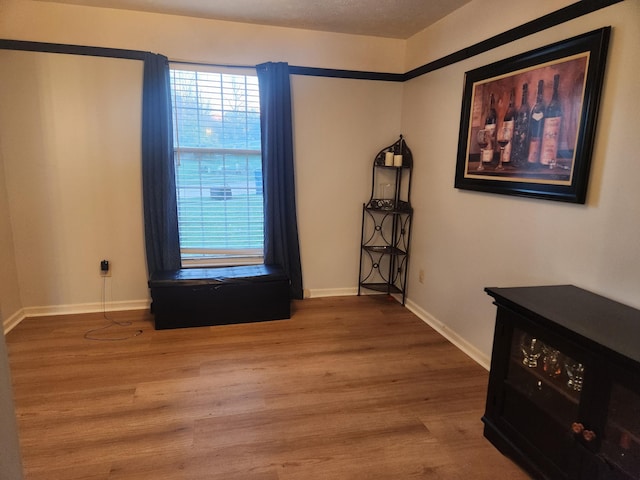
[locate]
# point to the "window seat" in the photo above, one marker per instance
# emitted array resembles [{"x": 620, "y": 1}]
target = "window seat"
[{"x": 195, "y": 297}]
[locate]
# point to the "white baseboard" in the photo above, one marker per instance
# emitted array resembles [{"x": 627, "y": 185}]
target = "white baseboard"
[
  {"x": 85, "y": 308},
  {"x": 97, "y": 307},
  {"x": 330, "y": 292},
  {"x": 478, "y": 356},
  {"x": 336, "y": 292},
  {"x": 475, "y": 354},
  {"x": 11, "y": 322}
]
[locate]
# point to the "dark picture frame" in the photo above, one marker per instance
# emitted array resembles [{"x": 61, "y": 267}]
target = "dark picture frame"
[{"x": 548, "y": 153}]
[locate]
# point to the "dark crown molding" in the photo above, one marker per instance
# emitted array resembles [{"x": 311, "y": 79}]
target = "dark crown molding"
[{"x": 552, "y": 19}]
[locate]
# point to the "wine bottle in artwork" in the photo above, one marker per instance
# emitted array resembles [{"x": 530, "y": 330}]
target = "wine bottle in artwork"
[
  {"x": 490, "y": 127},
  {"x": 508, "y": 124},
  {"x": 551, "y": 130},
  {"x": 536, "y": 123},
  {"x": 520, "y": 137}
]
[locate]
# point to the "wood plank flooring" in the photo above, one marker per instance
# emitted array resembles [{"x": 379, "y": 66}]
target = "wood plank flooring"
[{"x": 348, "y": 388}]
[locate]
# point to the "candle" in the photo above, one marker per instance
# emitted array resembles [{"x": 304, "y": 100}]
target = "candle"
[
  {"x": 388, "y": 158},
  {"x": 397, "y": 160}
]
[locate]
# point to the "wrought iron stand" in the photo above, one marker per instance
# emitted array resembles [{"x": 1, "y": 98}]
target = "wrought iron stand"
[{"x": 386, "y": 223}]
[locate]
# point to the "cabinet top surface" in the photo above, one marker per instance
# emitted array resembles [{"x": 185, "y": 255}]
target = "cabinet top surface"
[{"x": 604, "y": 321}]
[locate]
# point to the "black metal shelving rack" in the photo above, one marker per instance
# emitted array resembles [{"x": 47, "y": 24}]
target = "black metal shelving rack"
[{"x": 386, "y": 224}]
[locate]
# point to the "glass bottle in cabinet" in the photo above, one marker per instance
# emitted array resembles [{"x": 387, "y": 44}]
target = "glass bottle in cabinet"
[{"x": 547, "y": 377}]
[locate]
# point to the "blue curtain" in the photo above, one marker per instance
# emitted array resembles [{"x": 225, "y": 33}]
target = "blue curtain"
[
  {"x": 281, "y": 245},
  {"x": 158, "y": 171}
]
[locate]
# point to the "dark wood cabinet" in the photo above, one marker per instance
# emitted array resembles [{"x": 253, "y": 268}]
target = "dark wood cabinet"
[{"x": 564, "y": 388}]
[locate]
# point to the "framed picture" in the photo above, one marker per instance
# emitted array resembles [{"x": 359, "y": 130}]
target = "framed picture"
[{"x": 528, "y": 122}]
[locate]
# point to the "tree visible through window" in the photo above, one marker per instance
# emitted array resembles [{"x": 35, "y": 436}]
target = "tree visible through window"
[{"x": 216, "y": 122}]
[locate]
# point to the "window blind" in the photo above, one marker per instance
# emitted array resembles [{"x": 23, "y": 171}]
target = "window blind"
[{"x": 218, "y": 166}]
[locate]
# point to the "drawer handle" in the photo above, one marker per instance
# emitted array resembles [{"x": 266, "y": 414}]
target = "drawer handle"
[{"x": 578, "y": 429}]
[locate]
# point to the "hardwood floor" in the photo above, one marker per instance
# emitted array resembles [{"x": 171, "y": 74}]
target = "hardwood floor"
[{"x": 348, "y": 388}]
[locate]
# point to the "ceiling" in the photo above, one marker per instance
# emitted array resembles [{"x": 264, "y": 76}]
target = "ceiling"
[{"x": 381, "y": 18}]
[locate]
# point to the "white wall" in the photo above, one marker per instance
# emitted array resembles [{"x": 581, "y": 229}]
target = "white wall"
[
  {"x": 10, "y": 302},
  {"x": 466, "y": 241},
  {"x": 339, "y": 127},
  {"x": 475, "y": 21},
  {"x": 198, "y": 40},
  {"x": 70, "y": 130},
  {"x": 74, "y": 192}
]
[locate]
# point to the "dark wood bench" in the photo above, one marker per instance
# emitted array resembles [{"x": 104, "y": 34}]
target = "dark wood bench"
[{"x": 195, "y": 297}]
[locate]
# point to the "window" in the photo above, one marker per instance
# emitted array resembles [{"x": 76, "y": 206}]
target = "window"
[{"x": 216, "y": 125}]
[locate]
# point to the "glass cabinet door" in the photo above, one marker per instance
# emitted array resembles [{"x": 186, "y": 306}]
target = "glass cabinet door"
[
  {"x": 543, "y": 389},
  {"x": 621, "y": 441},
  {"x": 546, "y": 376}
]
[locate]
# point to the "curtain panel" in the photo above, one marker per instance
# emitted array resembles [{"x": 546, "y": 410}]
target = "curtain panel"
[
  {"x": 162, "y": 240},
  {"x": 281, "y": 246}
]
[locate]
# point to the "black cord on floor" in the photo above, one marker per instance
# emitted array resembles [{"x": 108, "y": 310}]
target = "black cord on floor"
[{"x": 112, "y": 321}]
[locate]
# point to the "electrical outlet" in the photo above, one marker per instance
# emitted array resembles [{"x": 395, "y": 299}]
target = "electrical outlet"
[
  {"x": 105, "y": 268},
  {"x": 421, "y": 276}
]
